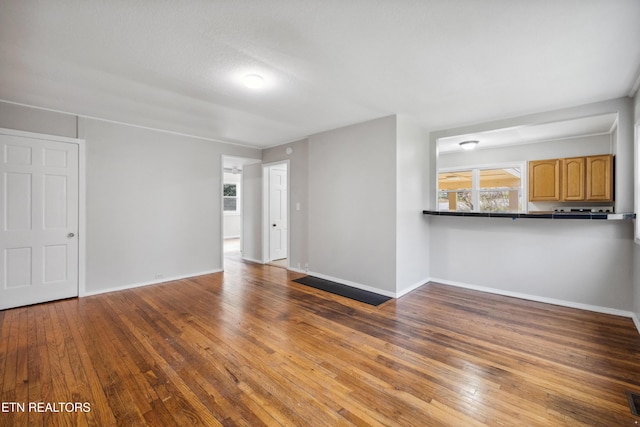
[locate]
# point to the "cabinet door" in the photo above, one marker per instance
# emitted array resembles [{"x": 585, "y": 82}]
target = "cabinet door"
[
  {"x": 573, "y": 179},
  {"x": 544, "y": 180},
  {"x": 600, "y": 178}
]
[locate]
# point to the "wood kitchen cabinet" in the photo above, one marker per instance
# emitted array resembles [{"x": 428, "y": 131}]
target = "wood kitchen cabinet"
[
  {"x": 599, "y": 178},
  {"x": 544, "y": 180},
  {"x": 571, "y": 179}
]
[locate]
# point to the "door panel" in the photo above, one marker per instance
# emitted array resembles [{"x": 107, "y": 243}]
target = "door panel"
[
  {"x": 278, "y": 213},
  {"x": 39, "y": 220}
]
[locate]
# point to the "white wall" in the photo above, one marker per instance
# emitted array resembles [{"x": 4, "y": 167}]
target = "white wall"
[
  {"x": 153, "y": 198},
  {"x": 19, "y": 117},
  {"x": 298, "y": 198},
  {"x": 153, "y": 204},
  {"x": 586, "y": 262},
  {"x": 352, "y": 204},
  {"x": 412, "y": 228}
]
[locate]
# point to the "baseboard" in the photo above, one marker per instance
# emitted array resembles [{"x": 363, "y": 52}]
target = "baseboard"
[
  {"x": 636, "y": 321},
  {"x": 411, "y": 288},
  {"x": 139, "y": 285},
  {"x": 252, "y": 260},
  {"x": 353, "y": 284},
  {"x": 564, "y": 303},
  {"x": 297, "y": 270}
]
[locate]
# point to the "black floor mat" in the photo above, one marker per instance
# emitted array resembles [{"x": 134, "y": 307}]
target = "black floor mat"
[{"x": 343, "y": 290}]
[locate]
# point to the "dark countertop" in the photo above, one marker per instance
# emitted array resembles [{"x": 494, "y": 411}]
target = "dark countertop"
[{"x": 538, "y": 215}]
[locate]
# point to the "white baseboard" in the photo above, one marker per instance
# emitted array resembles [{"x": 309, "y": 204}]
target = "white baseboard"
[
  {"x": 411, "y": 288},
  {"x": 636, "y": 321},
  {"x": 564, "y": 303},
  {"x": 252, "y": 260},
  {"x": 155, "y": 282},
  {"x": 297, "y": 270},
  {"x": 354, "y": 284}
]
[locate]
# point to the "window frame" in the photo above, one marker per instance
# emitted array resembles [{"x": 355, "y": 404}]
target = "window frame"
[
  {"x": 237, "y": 197},
  {"x": 475, "y": 182}
]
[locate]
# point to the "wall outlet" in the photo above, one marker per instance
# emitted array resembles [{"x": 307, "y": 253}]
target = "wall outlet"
[{"x": 159, "y": 276}]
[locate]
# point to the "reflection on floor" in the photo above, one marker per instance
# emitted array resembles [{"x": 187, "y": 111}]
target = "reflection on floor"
[
  {"x": 232, "y": 249},
  {"x": 279, "y": 263}
]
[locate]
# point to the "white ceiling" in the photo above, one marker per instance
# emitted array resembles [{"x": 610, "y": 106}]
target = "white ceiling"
[{"x": 178, "y": 65}]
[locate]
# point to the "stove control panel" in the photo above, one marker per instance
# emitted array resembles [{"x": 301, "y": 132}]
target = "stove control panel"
[{"x": 604, "y": 209}]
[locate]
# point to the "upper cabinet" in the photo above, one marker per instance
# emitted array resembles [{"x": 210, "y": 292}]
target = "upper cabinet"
[
  {"x": 599, "y": 178},
  {"x": 572, "y": 179},
  {"x": 544, "y": 180}
]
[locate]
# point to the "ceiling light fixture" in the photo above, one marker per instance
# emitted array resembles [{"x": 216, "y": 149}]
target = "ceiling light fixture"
[
  {"x": 469, "y": 145},
  {"x": 253, "y": 81}
]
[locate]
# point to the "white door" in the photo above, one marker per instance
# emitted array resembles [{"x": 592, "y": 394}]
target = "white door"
[
  {"x": 277, "y": 213},
  {"x": 39, "y": 220}
]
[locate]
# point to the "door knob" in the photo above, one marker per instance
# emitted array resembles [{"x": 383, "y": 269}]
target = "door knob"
[
  {"x": 274, "y": 225},
  {"x": 70, "y": 235}
]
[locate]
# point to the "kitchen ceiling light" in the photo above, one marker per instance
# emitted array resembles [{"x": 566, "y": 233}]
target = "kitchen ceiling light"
[
  {"x": 253, "y": 81},
  {"x": 469, "y": 145}
]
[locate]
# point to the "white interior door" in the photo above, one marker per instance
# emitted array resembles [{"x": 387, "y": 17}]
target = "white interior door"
[
  {"x": 39, "y": 214},
  {"x": 278, "y": 221}
]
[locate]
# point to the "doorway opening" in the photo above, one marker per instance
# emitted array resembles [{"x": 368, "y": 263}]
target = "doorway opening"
[
  {"x": 234, "y": 210},
  {"x": 275, "y": 178}
]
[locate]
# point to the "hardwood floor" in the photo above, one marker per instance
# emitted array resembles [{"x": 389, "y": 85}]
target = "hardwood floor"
[{"x": 250, "y": 347}]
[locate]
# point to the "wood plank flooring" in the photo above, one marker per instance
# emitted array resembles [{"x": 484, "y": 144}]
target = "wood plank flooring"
[{"x": 250, "y": 348}]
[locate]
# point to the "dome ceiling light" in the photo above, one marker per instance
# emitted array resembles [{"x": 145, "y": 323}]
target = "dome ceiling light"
[
  {"x": 253, "y": 81},
  {"x": 469, "y": 145}
]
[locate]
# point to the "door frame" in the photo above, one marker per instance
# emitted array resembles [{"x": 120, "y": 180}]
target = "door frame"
[
  {"x": 266, "y": 258},
  {"x": 82, "y": 189}
]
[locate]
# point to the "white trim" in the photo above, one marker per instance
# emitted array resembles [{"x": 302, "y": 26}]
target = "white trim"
[
  {"x": 636, "y": 321},
  {"x": 564, "y": 303},
  {"x": 266, "y": 248},
  {"x": 34, "y": 135},
  {"x": 411, "y": 288},
  {"x": 354, "y": 284},
  {"x": 132, "y": 125},
  {"x": 82, "y": 193},
  {"x": 221, "y": 230},
  {"x": 155, "y": 282},
  {"x": 636, "y": 179},
  {"x": 82, "y": 218}
]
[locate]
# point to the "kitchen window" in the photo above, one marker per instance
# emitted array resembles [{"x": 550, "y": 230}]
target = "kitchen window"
[{"x": 496, "y": 188}]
